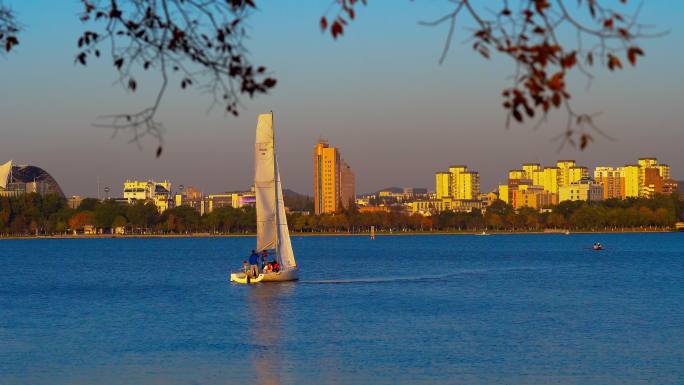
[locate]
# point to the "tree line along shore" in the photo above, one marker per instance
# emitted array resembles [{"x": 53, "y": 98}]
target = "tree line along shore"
[{"x": 49, "y": 215}]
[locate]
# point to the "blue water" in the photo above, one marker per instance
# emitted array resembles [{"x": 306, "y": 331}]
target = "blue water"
[{"x": 502, "y": 309}]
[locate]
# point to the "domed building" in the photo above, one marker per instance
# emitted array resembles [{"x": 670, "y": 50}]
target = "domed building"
[{"x": 15, "y": 180}]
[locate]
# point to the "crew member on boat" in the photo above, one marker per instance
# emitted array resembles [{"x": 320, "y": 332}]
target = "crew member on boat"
[
  {"x": 254, "y": 264},
  {"x": 264, "y": 259}
]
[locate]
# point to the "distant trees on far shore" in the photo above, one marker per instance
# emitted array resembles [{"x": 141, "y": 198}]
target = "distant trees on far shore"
[{"x": 33, "y": 214}]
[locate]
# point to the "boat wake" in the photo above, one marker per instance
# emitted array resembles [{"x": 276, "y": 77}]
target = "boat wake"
[{"x": 417, "y": 278}]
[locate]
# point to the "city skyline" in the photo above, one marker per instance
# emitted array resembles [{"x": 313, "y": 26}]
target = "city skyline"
[
  {"x": 398, "y": 120},
  {"x": 445, "y": 184}
]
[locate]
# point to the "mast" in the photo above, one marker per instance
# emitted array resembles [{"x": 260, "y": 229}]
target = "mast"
[{"x": 276, "y": 223}]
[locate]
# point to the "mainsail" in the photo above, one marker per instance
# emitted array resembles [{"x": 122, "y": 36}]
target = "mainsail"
[{"x": 272, "y": 232}]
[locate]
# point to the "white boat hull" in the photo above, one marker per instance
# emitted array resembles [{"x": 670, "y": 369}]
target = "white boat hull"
[
  {"x": 281, "y": 276},
  {"x": 242, "y": 278}
]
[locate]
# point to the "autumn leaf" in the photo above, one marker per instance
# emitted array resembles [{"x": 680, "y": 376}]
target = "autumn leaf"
[
  {"x": 632, "y": 54},
  {"x": 556, "y": 82},
  {"x": 269, "y": 82},
  {"x": 614, "y": 62},
  {"x": 336, "y": 29},
  {"x": 569, "y": 60},
  {"x": 585, "y": 139}
]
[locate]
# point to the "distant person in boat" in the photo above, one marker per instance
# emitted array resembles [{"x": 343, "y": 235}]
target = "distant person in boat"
[
  {"x": 245, "y": 267},
  {"x": 268, "y": 268},
  {"x": 254, "y": 264},
  {"x": 276, "y": 266},
  {"x": 264, "y": 259}
]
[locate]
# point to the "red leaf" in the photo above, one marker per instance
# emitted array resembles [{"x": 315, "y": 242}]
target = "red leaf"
[
  {"x": 336, "y": 29},
  {"x": 556, "y": 82},
  {"x": 614, "y": 62},
  {"x": 269, "y": 82},
  {"x": 632, "y": 54},
  {"x": 324, "y": 24},
  {"x": 517, "y": 115},
  {"x": 569, "y": 60}
]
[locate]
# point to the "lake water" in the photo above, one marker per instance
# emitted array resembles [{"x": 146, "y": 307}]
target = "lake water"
[{"x": 431, "y": 309}]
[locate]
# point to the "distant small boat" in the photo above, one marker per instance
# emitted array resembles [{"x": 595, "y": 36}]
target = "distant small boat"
[
  {"x": 484, "y": 233},
  {"x": 567, "y": 232},
  {"x": 597, "y": 246}
]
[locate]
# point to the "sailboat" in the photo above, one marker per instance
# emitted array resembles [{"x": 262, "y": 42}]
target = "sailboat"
[{"x": 272, "y": 232}]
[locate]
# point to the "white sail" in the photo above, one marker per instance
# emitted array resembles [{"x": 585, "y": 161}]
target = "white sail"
[
  {"x": 5, "y": 171},
  {"x": 264, "y": 183},
  {"x": 285, "y": 254},
  {"x": 272, "y": 232}
]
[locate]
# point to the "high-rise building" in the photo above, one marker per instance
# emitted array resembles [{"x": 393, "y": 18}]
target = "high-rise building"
[
  {"x": 551, "y": 180},
  {"x": 455, "y": 180},
  {"x": 463, "y": 184},
  {"x": 653, "y": 182},
  {"x": 630, "y": 178},
  {"x": 564, "y": 171},
  {"x": 530, "y": 169},
  {"x": 516, "y": 174},
  {"x": 505, "y": 193},
  {"x": 347, "y": 184},
  {"x": 664, "y": 170},
  {"x": 469, "y": 185},
  {"x": 333, "y": 179},
  {"x": 611, "y": 180},
  {"x": 577, "y": 173},
  {"x": 442, "y": 182}
]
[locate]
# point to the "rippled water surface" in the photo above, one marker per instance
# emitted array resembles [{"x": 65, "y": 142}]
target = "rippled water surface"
[{"x": 432, "y": 309}]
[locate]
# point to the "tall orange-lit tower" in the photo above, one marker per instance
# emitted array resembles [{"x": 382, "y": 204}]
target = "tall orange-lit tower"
[{"x": 333, "y": 179}]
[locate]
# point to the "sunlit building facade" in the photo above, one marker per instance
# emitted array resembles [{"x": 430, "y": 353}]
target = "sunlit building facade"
[
  {"x": 442, "y": 182},
  {"x": 158, "y": 193},
  {"x": 583, "y": 190},
  {"x": 469, "y": 186},
  {"x": 564, "y": 175},
  {"x": 611, "y": 180},
  {"x": 333, "y": 180},
  {"x": 630, "y": 177}
]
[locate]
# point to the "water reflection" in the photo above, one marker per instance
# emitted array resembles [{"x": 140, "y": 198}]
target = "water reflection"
[{"x": 269, "y": 310}]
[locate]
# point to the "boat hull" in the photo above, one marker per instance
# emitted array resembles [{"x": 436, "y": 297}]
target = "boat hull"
[
  {"x": 282, "y": 276},
  {"x": 242, "y": 278}
]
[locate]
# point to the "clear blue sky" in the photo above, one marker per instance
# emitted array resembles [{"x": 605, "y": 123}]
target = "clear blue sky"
[{"x": 378, "y": 94}]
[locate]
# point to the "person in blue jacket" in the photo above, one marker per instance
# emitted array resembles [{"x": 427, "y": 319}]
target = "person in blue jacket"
[{"x": 254, "y": 264}]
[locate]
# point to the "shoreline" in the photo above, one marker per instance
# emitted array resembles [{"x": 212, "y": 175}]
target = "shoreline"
[{"x": 334, "y": 234}]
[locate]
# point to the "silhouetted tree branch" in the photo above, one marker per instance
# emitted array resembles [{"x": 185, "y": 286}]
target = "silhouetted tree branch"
[
  {"x": 196, "y": 42},
  {"x": 8, "y": 29},
  {"x": 529, "y": 35},
  {"x": 201, "y": 43}
]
